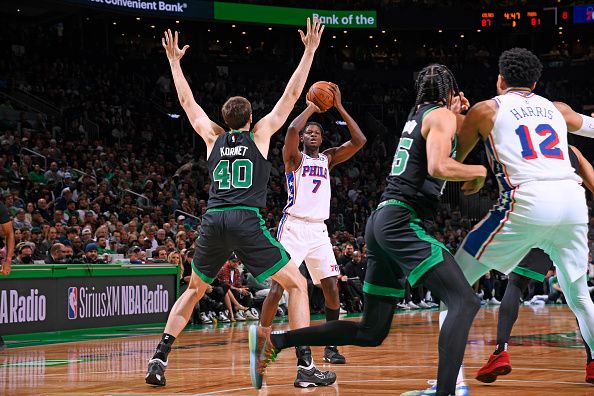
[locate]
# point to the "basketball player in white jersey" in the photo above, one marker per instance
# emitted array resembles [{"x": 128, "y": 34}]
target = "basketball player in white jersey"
[
  {"x": 542, "y": 203},
  {"x": 302, "y": 230}
]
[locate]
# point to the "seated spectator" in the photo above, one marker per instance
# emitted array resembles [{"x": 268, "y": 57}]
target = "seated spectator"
[
  {"x": 35, "y": 238},
  {"x": 87, "y": 235},
  {"x": 236, "y": 294},
  {"x": 261, "y": 289},
  {"x": 20, "y": 222},
  {"x": 56, "y": 254},
  {"x": 102, "y": 247},
  {"x": 134, "y": 255},
  {"x": 68, "y": 253},
  {"x": 24, "y": 252},
  {"x": 92, "y": 255},
  {"x": 160, "y": 255}
]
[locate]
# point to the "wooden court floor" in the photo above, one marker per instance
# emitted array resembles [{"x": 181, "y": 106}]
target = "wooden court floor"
[{"x": 547, "y": 357}]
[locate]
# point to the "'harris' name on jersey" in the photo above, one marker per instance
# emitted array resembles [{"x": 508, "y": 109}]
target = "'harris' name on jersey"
[
  {"x": 317, "y": 171},
  {"x": 233, "y": 151},
  {"x": 529, "y": 111}
]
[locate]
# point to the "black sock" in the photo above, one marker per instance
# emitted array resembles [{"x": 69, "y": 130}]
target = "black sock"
[
  {"x": 508, "y": 311},
  {"x": 303, "y": 356},
  {"x": 164, "y": 347},
  {"x": 500, "y": 348},
  {"x": 332, "y": 314}
]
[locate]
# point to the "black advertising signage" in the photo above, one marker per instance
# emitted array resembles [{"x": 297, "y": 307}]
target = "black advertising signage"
[{"x": 42, "y": 304}]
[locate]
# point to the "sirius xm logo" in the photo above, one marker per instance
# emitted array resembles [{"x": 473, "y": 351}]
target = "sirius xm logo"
[
  {"x": 15, "y": 307},
  {"x": 98, "y": 302}
]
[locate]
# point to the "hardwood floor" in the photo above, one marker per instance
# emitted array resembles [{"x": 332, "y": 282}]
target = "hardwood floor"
[{"x": 547, "y": 356}]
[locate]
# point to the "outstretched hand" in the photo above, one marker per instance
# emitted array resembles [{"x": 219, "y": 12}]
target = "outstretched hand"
[
  {"x": 311, "y": 40},
  {"x": 171, "y": 47}
]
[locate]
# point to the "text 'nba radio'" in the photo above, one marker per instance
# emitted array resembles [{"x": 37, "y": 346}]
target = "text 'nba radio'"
[{"x": 86, "y": 302}]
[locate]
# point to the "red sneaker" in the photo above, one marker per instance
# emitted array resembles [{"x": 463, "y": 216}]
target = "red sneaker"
[
  {"x": 590, "y": 373},
  {"x": 499, "y": 365}
]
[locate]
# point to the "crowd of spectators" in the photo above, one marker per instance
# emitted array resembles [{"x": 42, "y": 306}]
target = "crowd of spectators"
[{"x": 134, "y": 190}]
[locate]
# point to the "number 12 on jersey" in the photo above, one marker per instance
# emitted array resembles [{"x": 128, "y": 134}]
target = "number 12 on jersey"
[{"x": 547, "y": 147}]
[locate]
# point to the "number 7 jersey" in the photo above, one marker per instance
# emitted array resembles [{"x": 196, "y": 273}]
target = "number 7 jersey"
[
  {"x": 528, "y": 141},
  {"x": 308, "y": 189},
  {"x": 238, "y": 172}
]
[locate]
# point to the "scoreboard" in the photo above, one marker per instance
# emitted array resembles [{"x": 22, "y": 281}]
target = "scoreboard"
[
  {"x": 518, "y": 18},
  {"x": 531, "y": 18}
]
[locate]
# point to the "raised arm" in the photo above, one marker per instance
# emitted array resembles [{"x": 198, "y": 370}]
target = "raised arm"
[
  {"x": 272, "y": 122},
  {"x": 439, "y": 127},
  {"x": 586, "y": 170},
  {"x": 291, "y": 153},
  {"x": 337, "y": 155},
  {"x": 578, "y": 124},
  {"x": 207, "y": 129}
]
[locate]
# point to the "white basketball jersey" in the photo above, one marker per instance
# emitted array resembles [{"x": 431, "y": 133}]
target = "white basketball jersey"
[
  {"x": 308, "y": 189},
  {"x": 528, "y": 141}
]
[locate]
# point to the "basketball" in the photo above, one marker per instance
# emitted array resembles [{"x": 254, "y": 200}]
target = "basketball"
[{"x": 321, "y": 95}]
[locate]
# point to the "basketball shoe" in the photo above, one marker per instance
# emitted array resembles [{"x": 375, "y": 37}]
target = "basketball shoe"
[
  {"x": 262, "y": 352},
  {"x": 590, "y": 372},
  {"x": 461, "y": 390},
  {"x": 331, "y": 355},
  {"x": 308, "y": 374},
  {"x": 497, "y": 365},
  {"x": 156, "y": 372}
]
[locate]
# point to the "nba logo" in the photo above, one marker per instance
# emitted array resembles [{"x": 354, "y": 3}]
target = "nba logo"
[{"x": 72, "y": 303}]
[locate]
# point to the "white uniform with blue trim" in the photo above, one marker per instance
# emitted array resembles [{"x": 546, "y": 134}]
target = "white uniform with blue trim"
[
  {"x": 302, "y": 230},
  {"x": 541, "y": 204}
]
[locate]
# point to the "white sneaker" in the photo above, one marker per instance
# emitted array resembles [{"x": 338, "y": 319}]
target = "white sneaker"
[
  {"x": 239, "y": 316},
  {"x": 481, "y": 294},
  {"x": 223, "y": 318},
  {"x": 280, "y": 312},
  {"x": 493, "y": 301},
  {"x": 204, "y": 318},
  {"x": 249, "y": 314},
  {"x": 342, "y": 311},
  {"x": 412, "y": 305},
  {"x": 424, "y": 305},
  {"x": 402, "y": 305}
]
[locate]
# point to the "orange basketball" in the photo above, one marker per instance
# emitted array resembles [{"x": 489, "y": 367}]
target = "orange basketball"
[{"x": 321, "y": 95}]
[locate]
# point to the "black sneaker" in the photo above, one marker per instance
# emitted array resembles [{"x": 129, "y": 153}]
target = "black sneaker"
[
  {"x": 331, "y": 355},
  {"x": 2, "y": 344},
  {"x": 155, "y": 374},
  {"x": 311, "y": 376}
]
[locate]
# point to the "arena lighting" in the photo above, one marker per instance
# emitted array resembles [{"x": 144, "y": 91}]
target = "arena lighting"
[
  {"x": 152, "y": 26},
  {"x": 138, "y": 18},
  {"x": 333, "y": 37},
  {"x": 383, "y": 32},
  {"x": 370, "y": 37},
  {"x": 173, "y": 115},
  {"x": 344, "y": 31},
  {"x": 269, "y": 28},
  {"x": 115, "y": 23},
  {"x": 440, "y": 31},
  {"x": 243, "y": 33},
  {"x": 461, "y": 36},
  {"x": 478, "y": 30},
  {"x": 232, "y": 26},
  {"x": 176, "y": 21}
]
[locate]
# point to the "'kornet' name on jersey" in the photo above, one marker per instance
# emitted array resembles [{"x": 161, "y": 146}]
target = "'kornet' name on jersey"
[
  {"x": 529, "y": 111},
  {"x": 317, "y": 171},
  {"x": 233, "y": 151}
]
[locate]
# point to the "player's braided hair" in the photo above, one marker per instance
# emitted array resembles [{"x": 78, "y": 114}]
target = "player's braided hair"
[
  {"x": 434, "y": 84},
  {"x": 519, "y": 67}
]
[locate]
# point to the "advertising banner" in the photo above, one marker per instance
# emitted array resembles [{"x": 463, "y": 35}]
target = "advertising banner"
[{"x": 41, "y": 304}]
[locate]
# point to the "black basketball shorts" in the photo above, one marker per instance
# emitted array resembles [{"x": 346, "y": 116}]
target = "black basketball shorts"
[
  {"x": 238, "y": 229},
  {"x": 398, "y": 247}
]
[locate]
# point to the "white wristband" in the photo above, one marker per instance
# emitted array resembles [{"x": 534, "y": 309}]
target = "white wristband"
[{"x": 587, "y": 128}]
